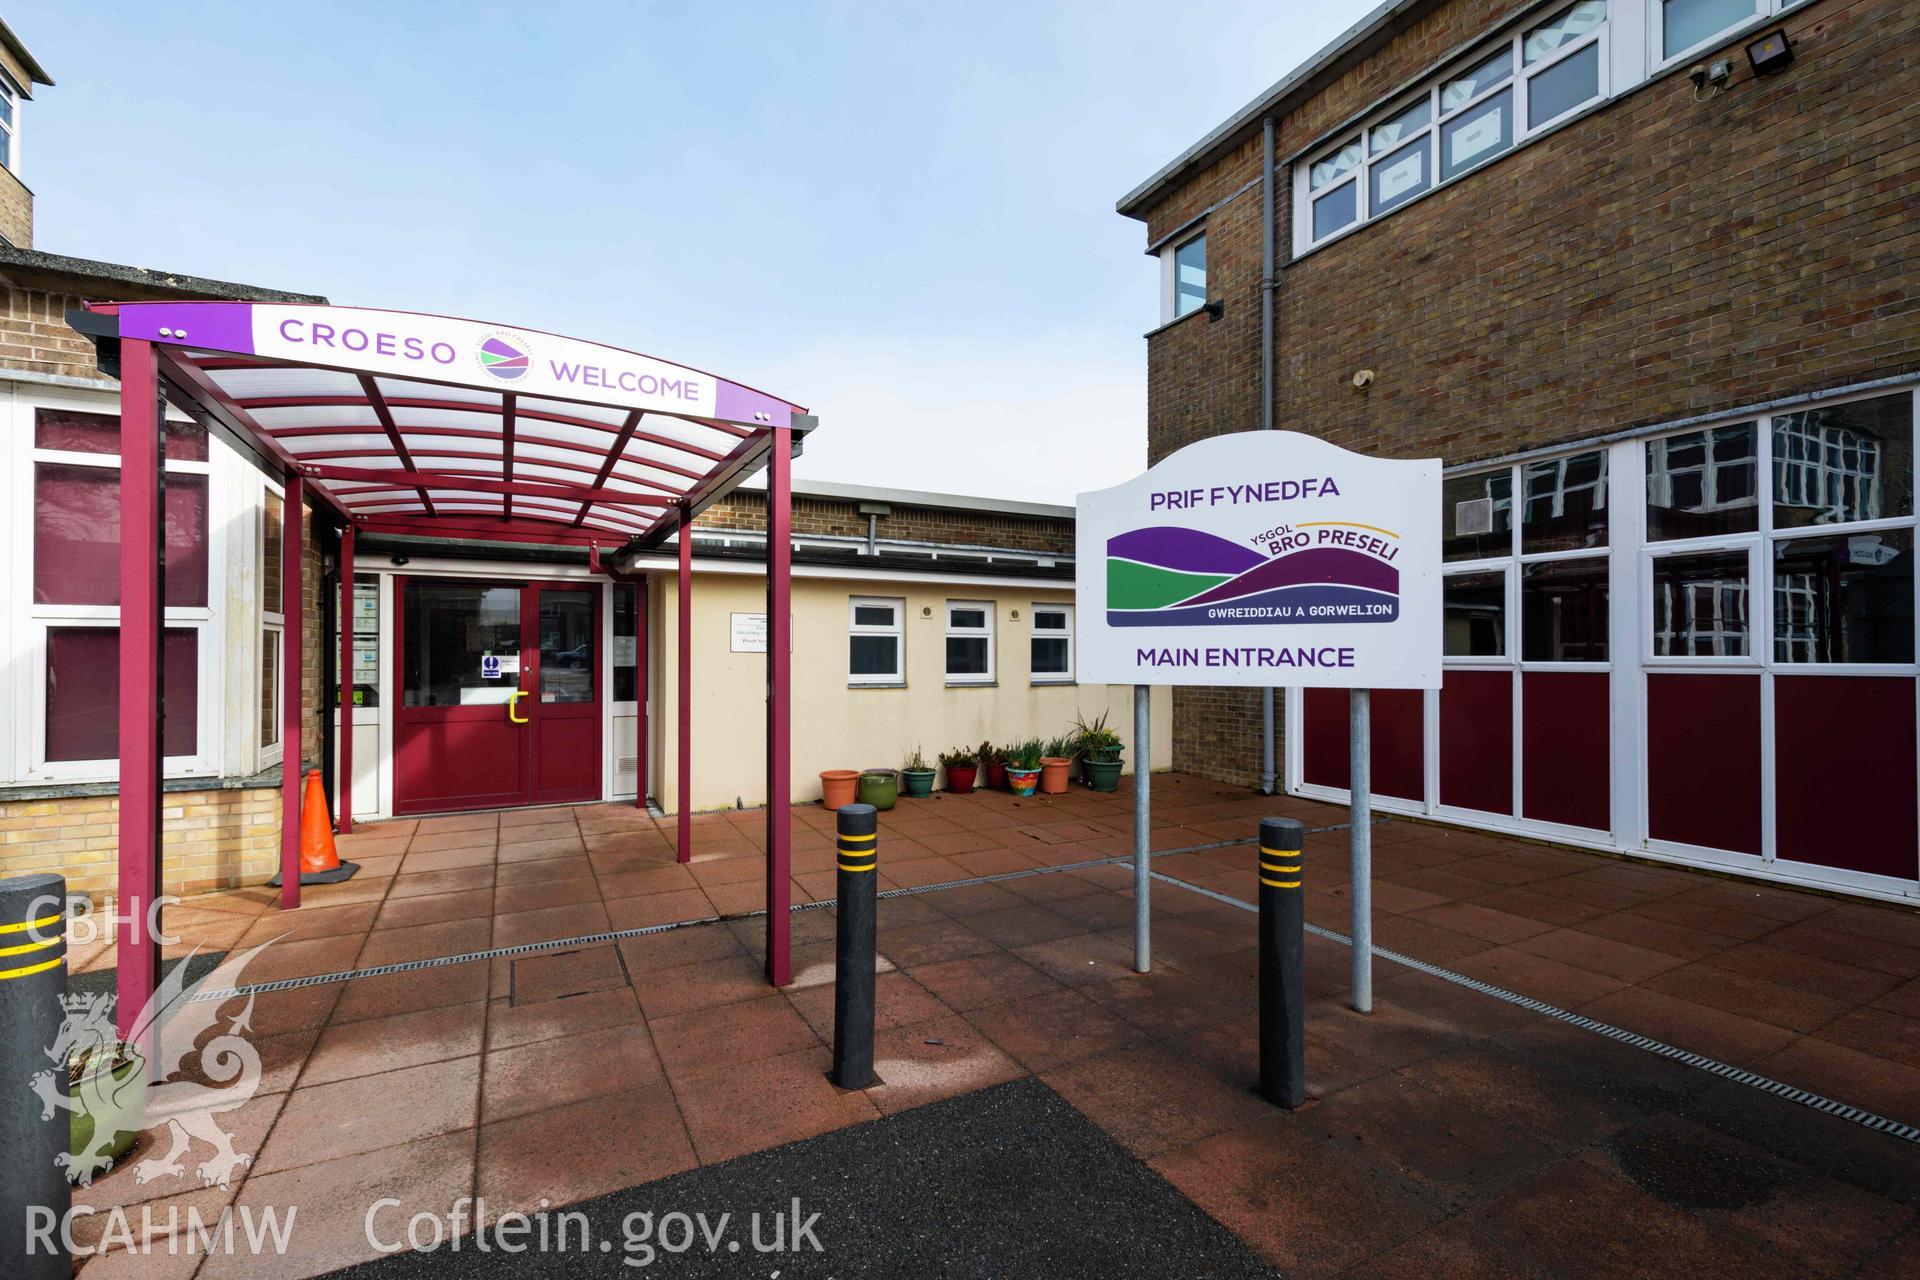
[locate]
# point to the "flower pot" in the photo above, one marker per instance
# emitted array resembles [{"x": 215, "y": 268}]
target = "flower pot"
[
  {"x": 996, "y": 777},
  {"x": 1053, "y": 774},
  {"x": 1022, "y": 781},
  {"x": 1102, "y": 775},
  {"x": 110, "y": 1103},
  {"x": 916, "y": 782},
  {"x": 960, "y": 778},
  {"x": 837, "y": 787},
  {"x": 879, "y": 788}
]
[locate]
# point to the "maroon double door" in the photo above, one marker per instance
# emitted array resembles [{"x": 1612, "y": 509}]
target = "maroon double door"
[{"x": 500, "y": 690}]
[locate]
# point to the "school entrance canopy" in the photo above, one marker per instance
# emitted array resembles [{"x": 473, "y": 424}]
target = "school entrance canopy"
[{"x": 406, "y": 424}]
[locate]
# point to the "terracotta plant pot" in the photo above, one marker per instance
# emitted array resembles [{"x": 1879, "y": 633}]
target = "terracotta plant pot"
[
  {"x": 879, "y": 788},
  {"x": 960, "y": 778},
  {"x": 1021, "y": 781},
  {"x": 1053, "y": 774},
  {"x": 837, "y": 786},
  {"x": 996, "y": 777},
  {"x": 916, "y": 782}
]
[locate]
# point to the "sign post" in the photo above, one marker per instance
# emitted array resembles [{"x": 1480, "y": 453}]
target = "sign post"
[{"x": 1258, "y": 559}]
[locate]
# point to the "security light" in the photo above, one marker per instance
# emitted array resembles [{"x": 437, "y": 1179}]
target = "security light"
[{"x": 1770, "y": 53}]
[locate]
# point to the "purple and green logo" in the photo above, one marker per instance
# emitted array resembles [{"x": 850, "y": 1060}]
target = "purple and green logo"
[
  {"x": 504, "y": 356},
  {"x": 1317, "y": 572}
]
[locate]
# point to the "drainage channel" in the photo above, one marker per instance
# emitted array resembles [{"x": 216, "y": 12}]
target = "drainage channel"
[
  {"x": 618, "y": 935},
  {"x": 1700, "y": 1062}
]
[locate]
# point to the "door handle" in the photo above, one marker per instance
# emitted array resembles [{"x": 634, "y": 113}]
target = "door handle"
[{"x": 513, "y": 701}]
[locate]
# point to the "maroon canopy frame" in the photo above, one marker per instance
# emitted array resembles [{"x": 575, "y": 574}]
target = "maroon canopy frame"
[{"x": 409, "y": 424}]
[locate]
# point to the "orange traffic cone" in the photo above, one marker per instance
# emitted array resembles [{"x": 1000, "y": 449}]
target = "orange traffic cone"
[{"x": 319, "y": 861}]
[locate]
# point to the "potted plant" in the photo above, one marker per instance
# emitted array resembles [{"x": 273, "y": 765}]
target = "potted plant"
[
  {"x": 1056, "y": 760},
  {"x": 916, "y": 779},
  {"x": 837, "y": 787},
  {"x": 879, "y": 787},
  {"x": 961, "y": 764},
  {"x": 1100, "y": 751},
  {"x": 993, "y": 763},
  {"x": 1023, "y": 767},
  {"x": 108, "y": 1085}
]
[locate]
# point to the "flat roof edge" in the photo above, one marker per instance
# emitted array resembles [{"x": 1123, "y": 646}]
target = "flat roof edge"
[
  {"x": 144, "y": 277},
  {"x": 1381, "y": 24},
  {"x": 920, "y": 498}
]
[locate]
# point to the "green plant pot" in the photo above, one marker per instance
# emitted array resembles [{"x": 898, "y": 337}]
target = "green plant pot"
[
  {"x": 917, "y": 782},
  {"x": 879, "y": 788},
  {"x": 1102, "y": 775},
  {"x": 106, "y": 1102}
]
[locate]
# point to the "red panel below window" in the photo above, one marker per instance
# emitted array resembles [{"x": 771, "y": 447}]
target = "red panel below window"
[
  {"x": 1476, "y": 740},
  {"x": 1703, "y": 760},
  {"x": 83, "y": 693},
  {"x": 1398, "y": 754},
  {"x": 1563, "y": 726},
  {"x": 1844, "y": 780}
]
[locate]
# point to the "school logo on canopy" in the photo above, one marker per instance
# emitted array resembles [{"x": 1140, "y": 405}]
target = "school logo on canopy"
[
  {"x": 505, "y": 356},
  {"x": 1319, "y": 571}
]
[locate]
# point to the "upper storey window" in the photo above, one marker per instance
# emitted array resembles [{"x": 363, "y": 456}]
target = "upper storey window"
[
  {"x": 1183, "y": 278},
  {"x": 1479, "y": 109},
  {"x": 1686, "y": 25},
  {"x": 9, "y": 123}
]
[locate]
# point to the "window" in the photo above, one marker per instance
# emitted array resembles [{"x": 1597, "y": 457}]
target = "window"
[
  {"x": 1700, "y": 605},
  {"x": 1052, "y": 643},
  {"x": 1687, "y": 24},
  {"x": 626, "y": 642},
  {"x": 73, "y": 604},
  {"x": 1701, "y": 484},
  {"x": 1844, "y": 598},
  {"x": 272, "y": 621},
  {"x": 1563, "y": 611},
  {"x": 9, "y": 123},
  {"x": 1566, "y": 503},
  {"x": 1190, "y": 276},
  {"x": 1478, "y": 511},
  {"x": 875, "y": 640},
  {"x": 1461, "y": 119},
  {"x": 1474, "y": 608},
  {"x": 1843, "y": 463},
  {"x": 969, "y": 642}
]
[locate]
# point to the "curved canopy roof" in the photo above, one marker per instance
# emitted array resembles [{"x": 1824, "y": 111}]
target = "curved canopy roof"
[{"x": 409, "y": 423}]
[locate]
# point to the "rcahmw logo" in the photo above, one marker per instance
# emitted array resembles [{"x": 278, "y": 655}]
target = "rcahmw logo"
[{"x": 505, "y": 355}]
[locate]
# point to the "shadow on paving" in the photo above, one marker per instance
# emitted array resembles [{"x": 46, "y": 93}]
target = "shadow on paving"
[
  {"x": 104, "y": 981},
  {"x": 1009, "y": 1181}
]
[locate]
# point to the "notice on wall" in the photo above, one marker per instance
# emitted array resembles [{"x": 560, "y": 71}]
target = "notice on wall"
[
  {"x": 748, "y": 633},
  {"x": 625, "y": 650},
  {"x": 1265, "y": 558}
]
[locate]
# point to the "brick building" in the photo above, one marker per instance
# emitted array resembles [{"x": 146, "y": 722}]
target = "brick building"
[{"x": 1643, "y": 274}]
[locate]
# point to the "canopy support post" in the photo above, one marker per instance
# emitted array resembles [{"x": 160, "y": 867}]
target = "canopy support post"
[
  {"x": 640, "y": 585},
  {"x": 683, "y": 703},
  {"x": 142, "y": 617},
  {"x": 780, "y": 708},
  {"x": 343, "y": 785},
  {"x": 292, "y": 593}
]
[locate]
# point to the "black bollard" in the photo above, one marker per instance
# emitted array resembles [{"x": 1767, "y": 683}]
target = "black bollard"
[
  {"x": 34, "y": 1195},
  {"x": 859, "y": 835},
  {"x": 1283, "y": 1044}
]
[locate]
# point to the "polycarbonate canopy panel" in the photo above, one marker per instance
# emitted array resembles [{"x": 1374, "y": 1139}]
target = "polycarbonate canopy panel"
[{"x": 415, "y": 423}]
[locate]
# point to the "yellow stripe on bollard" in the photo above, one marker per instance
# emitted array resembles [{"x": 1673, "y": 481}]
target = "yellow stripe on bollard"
[
  {"x": 25, "y": 925},
  {"x": 1279, "y": 884},
  {"x": 31, "y": 969},
  {"x": 25, "y": 947}
]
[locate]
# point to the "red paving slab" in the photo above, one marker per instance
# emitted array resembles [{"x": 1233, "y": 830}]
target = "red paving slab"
[{"x": 1446, "y": 1133}]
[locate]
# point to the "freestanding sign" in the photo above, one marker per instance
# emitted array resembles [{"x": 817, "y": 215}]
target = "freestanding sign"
[{"x": 1259, "y": 559}]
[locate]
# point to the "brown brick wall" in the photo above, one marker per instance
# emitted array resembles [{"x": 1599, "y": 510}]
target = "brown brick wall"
[
  {"x": 16, "y": 211},
  {"x": 1660, "y": 258},
  {"x": 748, "y": 511},
  {"x": 211, "y": 839},
  {"x": 35, "y": 336}
]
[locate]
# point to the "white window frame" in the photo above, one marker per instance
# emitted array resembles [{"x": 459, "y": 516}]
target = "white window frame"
[
  {"x": 1170, "y": 276},
  {"x": 1051, "y": 677},
  {"x": 1659, "y": 60},
  {"x": 10, "y": 132},
  {"x": 30, "y": 622},
  {"x": 1520, "y": 77},
  {"x": 986, "y": 607},
  {"x": 898, "y": 630}
]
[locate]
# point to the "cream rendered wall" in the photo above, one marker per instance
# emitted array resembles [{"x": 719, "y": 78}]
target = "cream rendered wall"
[{"x": 838, "y": 727}]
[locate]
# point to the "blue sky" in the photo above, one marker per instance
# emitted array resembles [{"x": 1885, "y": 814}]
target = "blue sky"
[{"x": 900, "y": 215}]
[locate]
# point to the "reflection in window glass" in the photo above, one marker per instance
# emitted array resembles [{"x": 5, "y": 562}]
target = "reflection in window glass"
[
  {"x": 1843, "y": 463},
  {"x": 1475, "y": 614},
  {"x": 1335, "y": 166},
  {"x": 874, "y": 655},
  {"x": 1335, "y": 210},
  {"x": 626, "y": 683},
  {"x": 1401, "y": 127},
  {"x": 1477, "y": 134},
  {"x": 1700, "y": 605},
  {"x": 1565, "y": 503},
  {"x": 1563, "y": 86},
  {"x": 1563, "y": 611},
  {"x": 1478, "y": 511},
  {"x": 1190, "y": 276},
  {"x": 1466, "y": 88},
  {"x": 1567, "y": 26},
  {"x": 449, "y": 629},
  {"x": 1686, "y": 23},
  {"x": 1702, "y": 483},
  {"x": 1399, "y": 177},
  {"x": 1844, "y": 598},
  {"x": 566, "y": 646}
]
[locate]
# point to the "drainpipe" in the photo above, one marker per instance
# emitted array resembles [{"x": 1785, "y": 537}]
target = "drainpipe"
[{"x": 1266, "y": 394}]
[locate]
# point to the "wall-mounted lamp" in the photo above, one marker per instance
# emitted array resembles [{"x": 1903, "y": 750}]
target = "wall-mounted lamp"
[
  {"x": 1770, "y": 53},
  {"x": 400, "y": 561}
]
